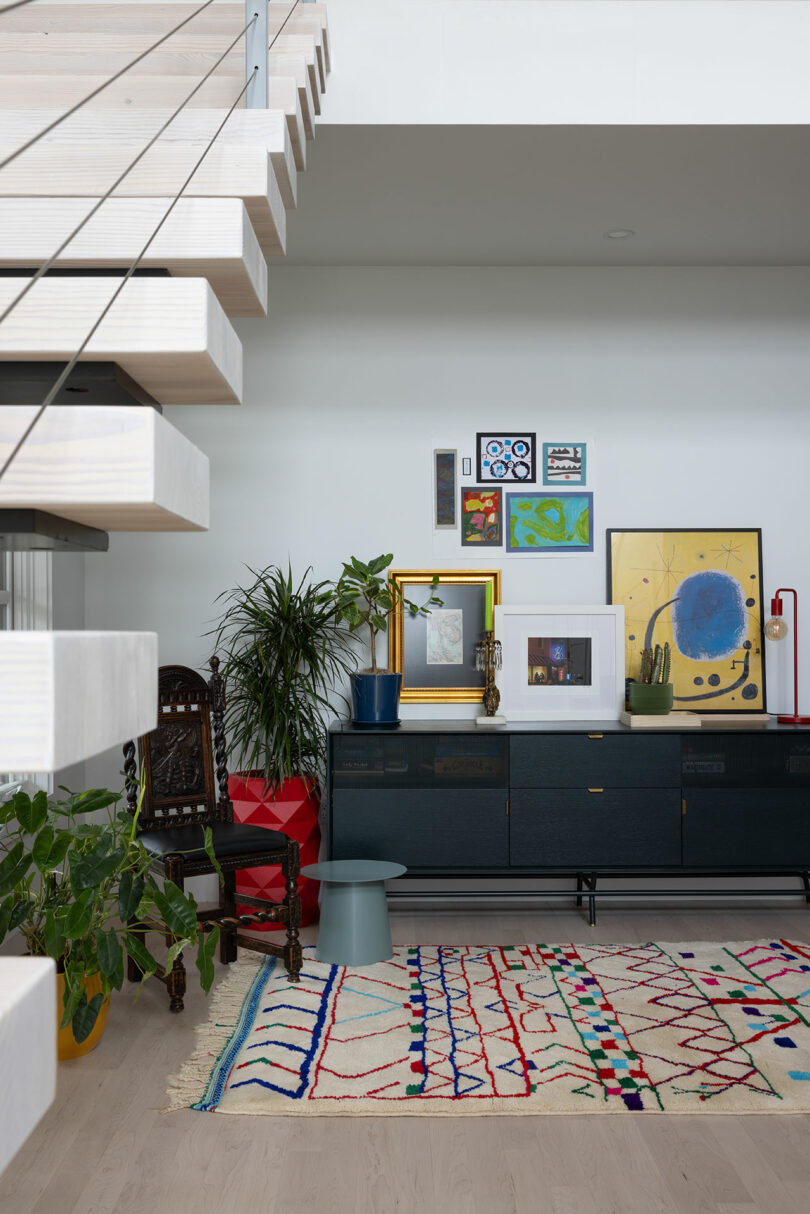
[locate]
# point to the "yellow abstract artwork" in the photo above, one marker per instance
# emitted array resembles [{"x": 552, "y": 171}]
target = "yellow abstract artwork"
[{"x": 701, "y": 590}]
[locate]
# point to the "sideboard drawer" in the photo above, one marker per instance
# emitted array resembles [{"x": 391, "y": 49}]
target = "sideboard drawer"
[
  {"x": 572, "y": 828},
  {"x": 754, "y": 827},
  {"x": 452, "y": 828},
  {"x": 599, "y": 760},
  {"x": 389, "y": 761},
  {"x": 725, "y": 759}
]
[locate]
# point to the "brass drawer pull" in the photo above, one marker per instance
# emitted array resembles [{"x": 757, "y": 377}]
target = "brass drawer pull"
[
  {"x": 596, "y": 735},
  {"x": 596, "y": 790}
]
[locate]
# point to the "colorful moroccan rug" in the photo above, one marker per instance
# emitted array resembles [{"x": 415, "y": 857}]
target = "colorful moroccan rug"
[{"x": 597, "y": 1028}]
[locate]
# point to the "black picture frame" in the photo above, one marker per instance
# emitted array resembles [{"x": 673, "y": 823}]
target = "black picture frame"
[{"x": 509, "y": 437}]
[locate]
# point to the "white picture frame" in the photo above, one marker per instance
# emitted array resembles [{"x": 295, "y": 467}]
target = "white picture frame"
[{"x": 602, "y": 699}]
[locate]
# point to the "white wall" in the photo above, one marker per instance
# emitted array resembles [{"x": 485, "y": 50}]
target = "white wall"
[
  {"x": 568, "y": 61},
  {"x": 693, "y": 384}
]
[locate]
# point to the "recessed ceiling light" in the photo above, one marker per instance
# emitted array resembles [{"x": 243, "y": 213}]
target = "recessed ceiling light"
[{"x": 619, "y": 233}]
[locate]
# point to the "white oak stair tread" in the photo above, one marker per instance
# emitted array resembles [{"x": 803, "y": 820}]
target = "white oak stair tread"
[
  {"x": 282, "y": 94},
  {"x": 169, "y": 334},
  {"x": 291, "y": 64},
  {"x": 114, "y": 467},
  {"x": 223, "y": 18},
  {"x": 135, "y": 127},
  {"x": 208, "y": 238},
  {"x": 66, "y": 696},
  {"x": 38, "y": 89},
  {"x": 87, "y": 170}
]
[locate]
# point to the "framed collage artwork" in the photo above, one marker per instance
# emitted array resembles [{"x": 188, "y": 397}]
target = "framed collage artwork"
[
  {"x": 435, "y": 653},
  {"x": 701, "y": 590}
]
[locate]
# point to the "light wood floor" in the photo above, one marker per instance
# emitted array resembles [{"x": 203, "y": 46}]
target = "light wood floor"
[{"x": 105, "y": 1148}]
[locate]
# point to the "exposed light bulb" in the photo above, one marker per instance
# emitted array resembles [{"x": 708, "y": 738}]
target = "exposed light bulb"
[{"x": 776, "y": 629}]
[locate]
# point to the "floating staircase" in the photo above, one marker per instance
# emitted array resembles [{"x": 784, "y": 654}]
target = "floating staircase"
[{"x": 167, "y": 338}]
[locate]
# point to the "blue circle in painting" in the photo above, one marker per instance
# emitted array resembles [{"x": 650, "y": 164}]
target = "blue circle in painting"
[
  {"x": 713, "y": 680},
  {"x": 750, "y": 691},
  {"x": 698, "y": 680},
  {"x": 709, "y": 617}
]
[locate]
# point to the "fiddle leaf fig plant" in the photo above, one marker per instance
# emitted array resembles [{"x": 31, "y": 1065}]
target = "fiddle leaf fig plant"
[
  {"x": 365, "y": 596},
  {"x": 75, "y": 880}
]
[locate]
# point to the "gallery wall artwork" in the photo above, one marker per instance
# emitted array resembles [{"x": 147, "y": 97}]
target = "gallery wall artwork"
[
  {"x": 549, "y": 522},
  {"x": 435, "y": 653},
  {"x": 481, "y": 518},
  {"x": 445, "y": 463},
  {"x": 701, "y": 590},
  {"x": 565, "y": 463},
  {"x": 503, "y": 456}
]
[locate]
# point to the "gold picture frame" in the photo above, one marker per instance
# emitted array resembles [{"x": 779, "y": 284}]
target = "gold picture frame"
[{"x": 438, "y": 664}]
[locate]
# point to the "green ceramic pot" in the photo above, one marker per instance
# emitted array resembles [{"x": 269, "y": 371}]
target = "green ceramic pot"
[{"x": 651, "y": 699}]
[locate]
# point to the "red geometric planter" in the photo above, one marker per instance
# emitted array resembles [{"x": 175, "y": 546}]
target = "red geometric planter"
[{"x": 295, "y": 812}]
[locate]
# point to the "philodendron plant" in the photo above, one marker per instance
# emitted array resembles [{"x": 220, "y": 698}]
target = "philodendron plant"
[
  {"x": 80, "y": 891},
  {"x": 365, "y": 596}
]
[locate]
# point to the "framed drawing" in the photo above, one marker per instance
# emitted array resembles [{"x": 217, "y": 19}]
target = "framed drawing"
[
  {"x": 565, "y": 463},
  {"x": 506, "y": 456},
  {"x": 549, "y": 522},
  {"x": 445, "y": 475},
  {"x": 435, "y": 653},
  {"x": 701, "y": 590},
  {"x": 482, "y": 518},
  {"x": 563, "y": 663}
]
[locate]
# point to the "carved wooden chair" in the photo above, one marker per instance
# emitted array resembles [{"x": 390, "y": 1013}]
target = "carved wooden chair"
[{"x": 180, "y": 797}]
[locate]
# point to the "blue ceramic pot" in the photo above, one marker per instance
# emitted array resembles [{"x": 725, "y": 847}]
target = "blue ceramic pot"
[{"x": 375, "y": 698}]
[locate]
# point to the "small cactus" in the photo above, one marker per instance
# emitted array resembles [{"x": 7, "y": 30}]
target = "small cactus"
[{"x": 655, "y": 664}]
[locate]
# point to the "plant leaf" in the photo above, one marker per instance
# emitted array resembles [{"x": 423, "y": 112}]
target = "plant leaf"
[
  {"x": 205, "y": 957},
  {"x": 59, "y": 850},
  {"x": 140, "y": 953},
  {"x": 174, "y": 952},
  {"x": 85, "y": 1016},
  {"x": 13, "y": 868},
  {"x": 53, "y": 935},
  {"x": 41, "y": 850},
  {"x": 74, "y": 994},
  {"x": 93, "y": 870},
  {"x": 130, "y": 892},
  {"x": 6, "y": 907},
  {"x": 20, "y": 912},
  {"x": 108, "y": 951},
  {"x": 80, "y": 913},
  {"x": 177, "y": 909},
  {"x": 208, "y": 836}
]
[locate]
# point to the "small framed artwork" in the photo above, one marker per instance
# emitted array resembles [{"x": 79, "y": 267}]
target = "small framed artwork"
[
  {"x": 506, "y": 457},
  {"x": 435, "y": 653},
  {"x": 563, "y": 663},
  {"x": 466, "y": 466},
  {"x": 565, "y": 463},
  {"x": 482, "y": 518},
  {"x": 445, "y": 465},
  {"x": 701, "y": 590},
  {"x": 549, "y": 522}
]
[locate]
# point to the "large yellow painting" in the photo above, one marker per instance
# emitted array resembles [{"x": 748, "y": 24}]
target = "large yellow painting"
[{"x": 701, "y": 590}]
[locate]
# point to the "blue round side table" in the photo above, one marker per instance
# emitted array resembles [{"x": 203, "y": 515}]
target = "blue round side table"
[{"x": 354, "y": 927}]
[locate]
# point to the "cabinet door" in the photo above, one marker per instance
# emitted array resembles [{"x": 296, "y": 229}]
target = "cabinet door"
[
  {"x": 572, "y": 828},
  {"x": 601, "y": 760},
  {"x": 753, "y": 827},
  {"x": 428, "y": 829},
  {"x": 421, "y": 760}
]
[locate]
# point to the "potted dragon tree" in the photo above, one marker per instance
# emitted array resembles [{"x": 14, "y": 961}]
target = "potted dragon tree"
[
  {"x": 366, "y": 598},
  {"x": 284, "y": 652},
  {"x": 653, "y": 695},
  {"x": 75, "y": 882}
]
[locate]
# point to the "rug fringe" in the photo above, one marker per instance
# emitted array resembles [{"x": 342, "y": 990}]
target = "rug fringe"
[{"x": 224, "y": 1007}]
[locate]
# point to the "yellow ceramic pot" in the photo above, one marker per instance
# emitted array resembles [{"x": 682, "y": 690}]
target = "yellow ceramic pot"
[{"x": 67, "y": 1046}]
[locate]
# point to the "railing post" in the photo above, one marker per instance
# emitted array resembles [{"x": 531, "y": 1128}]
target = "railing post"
[{"x": 256, "y": 44}]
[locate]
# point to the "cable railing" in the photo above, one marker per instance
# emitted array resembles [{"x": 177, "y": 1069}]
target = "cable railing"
[{"x": 253, "y": 90}]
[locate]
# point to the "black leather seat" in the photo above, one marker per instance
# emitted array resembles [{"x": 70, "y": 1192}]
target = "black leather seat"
[{"x": 228, "y": 838}]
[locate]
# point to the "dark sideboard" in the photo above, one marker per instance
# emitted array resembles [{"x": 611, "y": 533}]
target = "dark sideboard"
[{"x": 573, "y": 798}]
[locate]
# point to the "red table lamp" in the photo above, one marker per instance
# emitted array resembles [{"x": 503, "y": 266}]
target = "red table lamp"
[{"x": 776, "y": 630}]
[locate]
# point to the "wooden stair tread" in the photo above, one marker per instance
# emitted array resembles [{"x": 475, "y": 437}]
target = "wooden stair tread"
[
  {"x": 169, "y": 334},
  {"x": 116, "y": 467},
  {"x": 66, "y": 696},
  {"x": 208, "y": 238},
  {"x": 87, "y": 170},
  {"x": 133, "y": 128}
]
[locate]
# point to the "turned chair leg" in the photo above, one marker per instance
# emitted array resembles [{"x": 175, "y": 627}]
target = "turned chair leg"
[
  {"x": 227, "y": 902},
  {"x": 291, "y": 867},
  {"x": 176, "y": 978}
]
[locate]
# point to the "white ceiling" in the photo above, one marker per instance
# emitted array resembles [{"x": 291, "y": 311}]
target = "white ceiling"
[{"x": 529, "y": 195}]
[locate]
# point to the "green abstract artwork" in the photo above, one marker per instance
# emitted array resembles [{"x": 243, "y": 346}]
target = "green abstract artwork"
[{"x": 549, "y": 522}]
